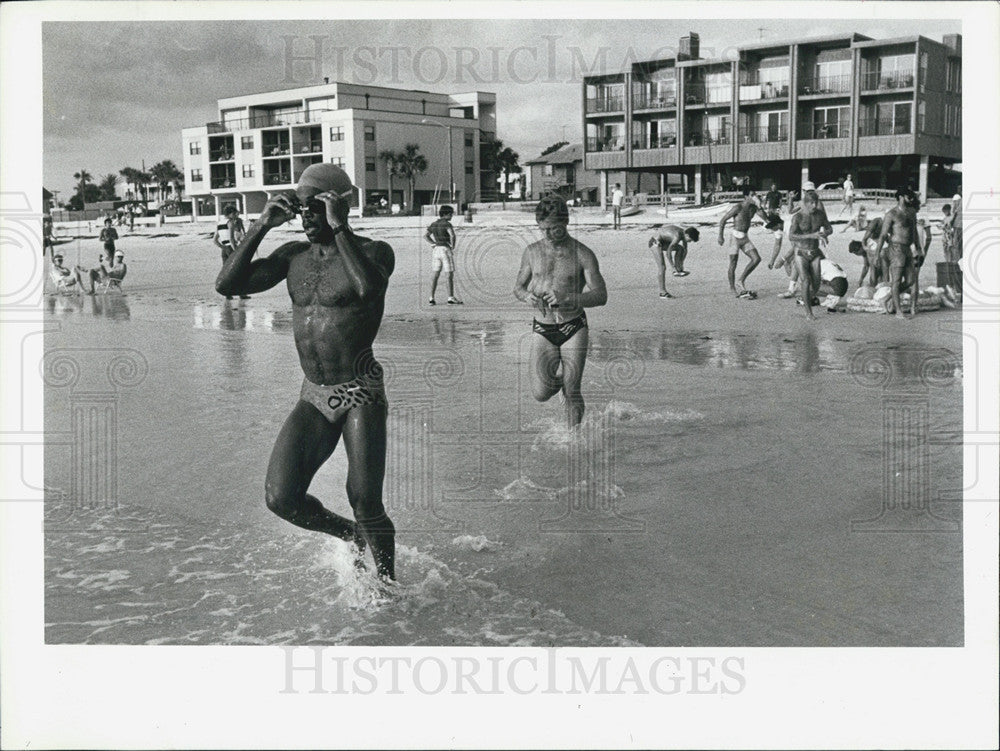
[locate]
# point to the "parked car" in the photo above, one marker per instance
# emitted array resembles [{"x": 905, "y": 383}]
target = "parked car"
[{"x": 838, "y": 186}]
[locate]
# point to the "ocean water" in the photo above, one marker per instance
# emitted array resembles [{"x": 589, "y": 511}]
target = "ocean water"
[{"x": 725, "y": 488}]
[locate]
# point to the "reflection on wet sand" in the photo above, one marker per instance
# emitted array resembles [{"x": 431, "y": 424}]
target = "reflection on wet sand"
[
  {"x": 113, "y": 306},
  {"x": 233, "y": 316},
  {"x": 802, "y": 353}
]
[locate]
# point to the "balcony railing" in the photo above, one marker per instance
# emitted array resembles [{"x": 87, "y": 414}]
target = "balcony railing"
[
  {"x": 663, "y": 142},
  {"x": 697, "y": 93},
  {"x": 275, "y": 150},
  {"x": 709, "y": 138},
  {"x": 223, "y": 182},
  {"x": 752, "y": 91},
  {"x": 277, "y": 178},
  {"x": 605, "y": 144},
  {"x": 655, "y": 101},
  {"x": 895, "y": 79},
  {"x": 764, "y": 134},
  {"x": 220, "y": 156},
  {"x": 826, "y": 85},
  {"x": 267, "y": 120},
  {"x": 606, "y": 104},
  {"x": 873, "y": 126},
  {"x": 311, "y": 148},
  {"x": 813, "y": 131}
]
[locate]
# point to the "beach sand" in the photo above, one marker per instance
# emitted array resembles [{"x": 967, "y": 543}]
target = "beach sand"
[{"x": 740, "y": 478}]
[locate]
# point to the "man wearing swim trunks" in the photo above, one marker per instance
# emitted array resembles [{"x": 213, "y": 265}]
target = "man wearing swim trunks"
[
  {"x": 559, "y": 277},
  {"x": 899, "y": 227},
  {"x": 742, "y": 214},
  {"x": 337, "y": 282},
  {"x": 671, "y": 243},
  {"x": 441, "y": 235},
  {"x": 808, "y": 227},
  {"x": 228, "y": 235}
]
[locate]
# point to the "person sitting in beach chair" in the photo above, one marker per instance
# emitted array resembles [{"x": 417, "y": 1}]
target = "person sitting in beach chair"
[
  {"x": 62, "y": 277},
  {"x": 107, "y": 277}
]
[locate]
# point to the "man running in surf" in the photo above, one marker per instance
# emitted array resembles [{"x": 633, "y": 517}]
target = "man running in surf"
[
  {"x": 337, "y": 282},
  {"x": 742, "y": 214},
  {"x": 559, "y": 277}
]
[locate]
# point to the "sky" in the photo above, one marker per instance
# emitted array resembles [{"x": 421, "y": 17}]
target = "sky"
[{"x": 118, "y": 94}]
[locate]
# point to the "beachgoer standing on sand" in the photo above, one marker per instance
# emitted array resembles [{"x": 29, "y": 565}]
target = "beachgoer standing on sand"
[
  {"x": 228, "y": 235},
  {"x": 337, "y": 282},
  {"x": 742, "y": 214},
  {"x": 108, "y": 236},
  {"x": 559, "y": 277},
  {"x": 616, "y": 205},
  {"x": 670, "y": 243},
  {"x": 848, "y": 197},
  {"x": 441, "y": 234},
  {"x": 899, "y": 227},
  {"x": 808, "y": 227}
]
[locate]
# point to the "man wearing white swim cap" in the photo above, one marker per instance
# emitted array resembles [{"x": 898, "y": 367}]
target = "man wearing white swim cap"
[{"x": 337, "y": 281}]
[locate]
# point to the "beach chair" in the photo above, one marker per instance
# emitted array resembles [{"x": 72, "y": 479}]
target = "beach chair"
[
  {"x": 65, "y": 285},
  {"x": 109, "y": 283}
]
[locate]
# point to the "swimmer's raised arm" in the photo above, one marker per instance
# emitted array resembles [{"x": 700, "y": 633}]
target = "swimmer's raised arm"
[
  {"x": 240, "y": 274},
  {"x": 369, "y": 275}
]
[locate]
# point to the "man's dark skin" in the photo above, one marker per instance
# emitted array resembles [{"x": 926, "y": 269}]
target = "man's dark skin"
[{"x": 337, "y": 282}]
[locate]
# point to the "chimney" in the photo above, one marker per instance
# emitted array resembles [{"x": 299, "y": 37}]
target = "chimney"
[
  {"x": 954, "y": 41},
  {"x": 689, "y": 47}
]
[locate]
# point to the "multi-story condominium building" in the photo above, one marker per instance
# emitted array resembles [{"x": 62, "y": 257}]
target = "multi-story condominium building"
[
  {"x": 261, "y": 143},
  {"x": 887, "y": 111}
]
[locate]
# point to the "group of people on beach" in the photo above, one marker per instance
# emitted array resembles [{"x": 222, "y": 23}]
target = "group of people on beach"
[
  {"x": 893, "y": 248},
  {"x": 110, "y": 269},
  {"x": 337, "y": 281}
]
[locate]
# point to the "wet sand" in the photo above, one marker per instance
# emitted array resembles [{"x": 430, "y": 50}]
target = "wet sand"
[{"x": 719, "y": 493}]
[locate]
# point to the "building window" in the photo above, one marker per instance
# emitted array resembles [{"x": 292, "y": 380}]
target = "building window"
[
  {"x": 247, "y": 170},
  {"x": 246, "y": 142},
  {"x": 468, "y": 140},
  {"x": 923, "y": 71},
  {"x": 954, "y": 76},
  {"x": 922, "y": 116},
  {"x": 369, "y": 165},
  {"x": 469, "y": 165},
  {"x": 337, "y": 133},
  {"x": 196, "y": 176},
  {"x": 548, "y": 170},
  {"x": 195, "y": 147},
  {"x": 831, "y": 122},
  {"x": 337, "y": 161},
  {"x": 369, "y": 132}
]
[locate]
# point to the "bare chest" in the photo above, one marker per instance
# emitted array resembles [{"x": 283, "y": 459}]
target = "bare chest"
[{"x": 320, "y": 280}]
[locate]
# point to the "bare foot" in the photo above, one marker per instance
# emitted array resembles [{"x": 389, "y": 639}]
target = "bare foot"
[{"x": 901, "y": 316}]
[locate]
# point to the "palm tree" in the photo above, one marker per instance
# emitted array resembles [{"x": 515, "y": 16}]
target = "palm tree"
[
  {"x": 164, "y": 173},
  {"x": 391, "y": 159},
  {"x": 83, "y": 177},
  {"x": 108, "y": 186},
  {"x": 410, "y": 163},
  {"x": 501, "y": 159},
  {"x": 132, "y": 177}
]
